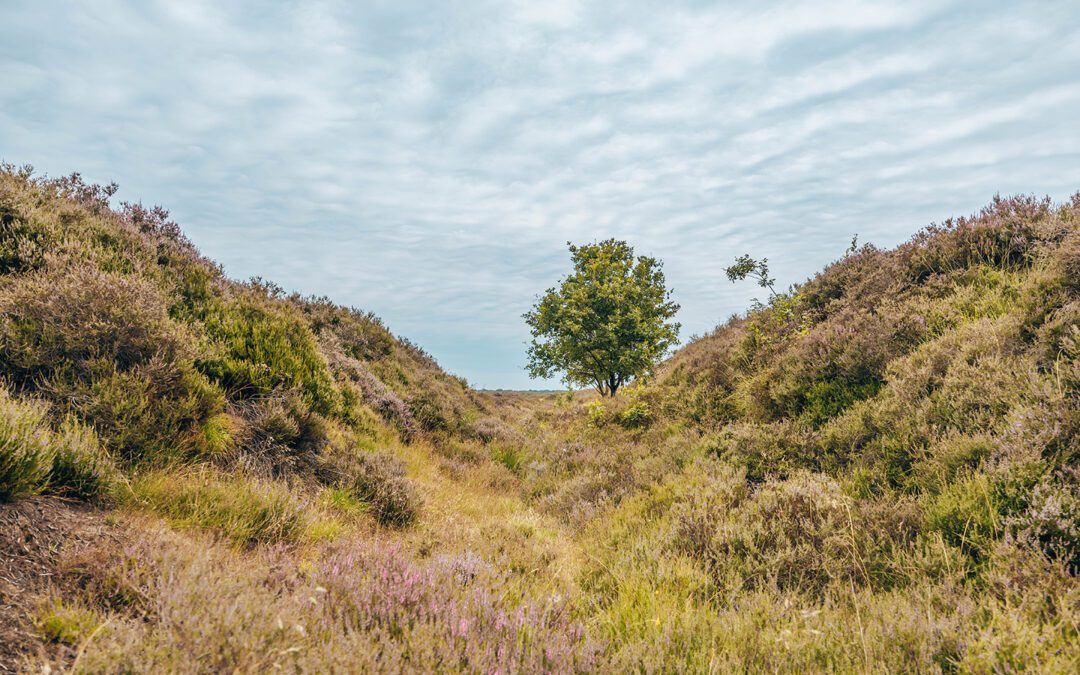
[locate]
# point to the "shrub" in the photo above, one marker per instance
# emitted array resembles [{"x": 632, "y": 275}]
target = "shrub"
[
  {"x": 22, "y": 244},
  {"x": 80, "y": 468},
  {"x": 489, "y": 429},
  {"x": 1052, "y": 522},
  {"x": 267, "y": 346},
  {"x": 425, "y": 410},
  {"x": 70, "y": 326},
  {"x": 102, "y": 346},
  {"x": 972, "y": 513},
  {"x": 823, "y": 400},
  {"x": 1003, "y": 235},
  {"x": 802, "y": 534},
  {"x": 378, "y": 480},
  {"x": 510, "y": 456},
  {"x": 966, "y": 515},
  {"x": 636, "y": 415},
  {"x": 777, "y": 449},
  {"x": 597, "y": 413},
  {"x": 947, "y": 459},
  {"x": 70, "y": 624},
  {"x": 25, "y": 456},
  {"x": 283, "y": 435}
]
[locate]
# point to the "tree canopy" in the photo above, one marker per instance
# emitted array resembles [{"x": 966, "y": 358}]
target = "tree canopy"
[{"x": 607, "y": 322}]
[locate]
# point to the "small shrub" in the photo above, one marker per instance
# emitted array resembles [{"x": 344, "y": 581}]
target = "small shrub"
[
  {"x": 636, "y": 415},
  {"x": 65, "y": 623},
  {"x": 1052, "y": 523},
  {"x": 218, "y": 436},
  {"x": 802, "y": 534},
  {"x": 597, "y": 413},
  {"x": 828, "y": 398},
  {"x": 25, "y": 455},
  {"x": 379, "y": 481},
  {"x": 966, "y": 515},
  {"x": 103, "y": 347},
  {"x": 282, "y": 435},
  {"x": 149, "y": 414},
  {"x": 948, "y": 458},
  {"x": 22, "y": 245},
  {"x": 80, "y": 468},
  {"x": 266, "y": 346},
  {"x": 71, "y": 325},
  {"x": 778, "y": 449},
  {"x": 510, "y": 456},
  {"x": 489, "y": 429},
  {"x": 426, "y": 411},
  {"x": 972, "y": 513}
]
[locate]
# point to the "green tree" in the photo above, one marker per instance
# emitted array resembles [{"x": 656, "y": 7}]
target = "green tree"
[
  {"x": 607, "y": 323},
  {"x": 758, "y": 270}
]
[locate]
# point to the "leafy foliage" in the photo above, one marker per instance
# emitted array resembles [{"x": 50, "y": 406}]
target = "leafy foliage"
[{"x": 607, "y": 323}]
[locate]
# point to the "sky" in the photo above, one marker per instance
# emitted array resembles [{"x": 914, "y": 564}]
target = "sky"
[{"x": 429, "y": 161}]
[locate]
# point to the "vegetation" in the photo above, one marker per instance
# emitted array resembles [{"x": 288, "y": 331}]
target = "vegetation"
[
  {"x": 607, "y": 323},
  {"x": 874, "y": 471}
]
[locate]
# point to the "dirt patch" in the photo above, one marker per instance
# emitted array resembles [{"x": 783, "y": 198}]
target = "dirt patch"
[{"x": 34, "y": 534}]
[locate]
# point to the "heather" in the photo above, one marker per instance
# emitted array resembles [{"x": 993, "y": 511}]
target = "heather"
[{"x": 873, "y": 471}]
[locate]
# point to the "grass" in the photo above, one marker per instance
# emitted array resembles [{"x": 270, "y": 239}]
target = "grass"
[{"x": 243, "y": 511}]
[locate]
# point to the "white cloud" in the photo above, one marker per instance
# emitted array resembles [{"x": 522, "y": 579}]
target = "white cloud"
[{"x": 429, "y": 162}]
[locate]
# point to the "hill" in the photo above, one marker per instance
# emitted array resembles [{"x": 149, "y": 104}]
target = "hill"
[{"x": 876, "y": 471}]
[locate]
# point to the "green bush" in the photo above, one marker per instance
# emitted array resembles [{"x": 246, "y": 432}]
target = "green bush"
[
  {"x": 510, "y": 456},
  {"x": 22, "y": 244},
  {"x": 1051, "y": 523},
  {"x": 801, "y": 534},
  {"x": 779, "y": 449},
  {"x": 966, "y": 515},
  {"x": 826, "y": 399},
  {"x": 266, "y": 346},
  {"x": 103, "y": 347},
  {"x": 65, "y": 623},
  {"x": 597, "y": 413},
  {"x": 947, "y": 459},
  {"x": 636, "y": 415},
  {"x": 25, "y": 455},
  {"x": 80, "y": 468},
  {"x": 971, "y": 513},
  {"x": 67, "y": 327}
]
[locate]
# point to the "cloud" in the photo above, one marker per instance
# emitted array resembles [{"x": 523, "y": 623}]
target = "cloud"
[{"x": 429, "y": 162}]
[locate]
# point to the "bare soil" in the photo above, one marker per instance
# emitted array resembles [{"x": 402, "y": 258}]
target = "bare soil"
[{"x": 35, "y": 534}]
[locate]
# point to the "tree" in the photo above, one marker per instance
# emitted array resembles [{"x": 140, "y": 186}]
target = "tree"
[
  {"x": 607, "y": 323},
  {"x": 758, "y": 270}
]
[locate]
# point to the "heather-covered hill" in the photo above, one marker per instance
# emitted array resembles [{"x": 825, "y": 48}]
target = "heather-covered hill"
[
  {"x": 114, "y": 325},
  {"x": 873, "y": 472},
  {"x": 887, "y": 473}
]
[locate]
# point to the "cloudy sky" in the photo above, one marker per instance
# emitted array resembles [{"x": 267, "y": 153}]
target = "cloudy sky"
[{"x": 429, "y": 161}]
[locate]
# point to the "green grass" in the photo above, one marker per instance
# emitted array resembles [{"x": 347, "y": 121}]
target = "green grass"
[{"x": 242, "y": 510}]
